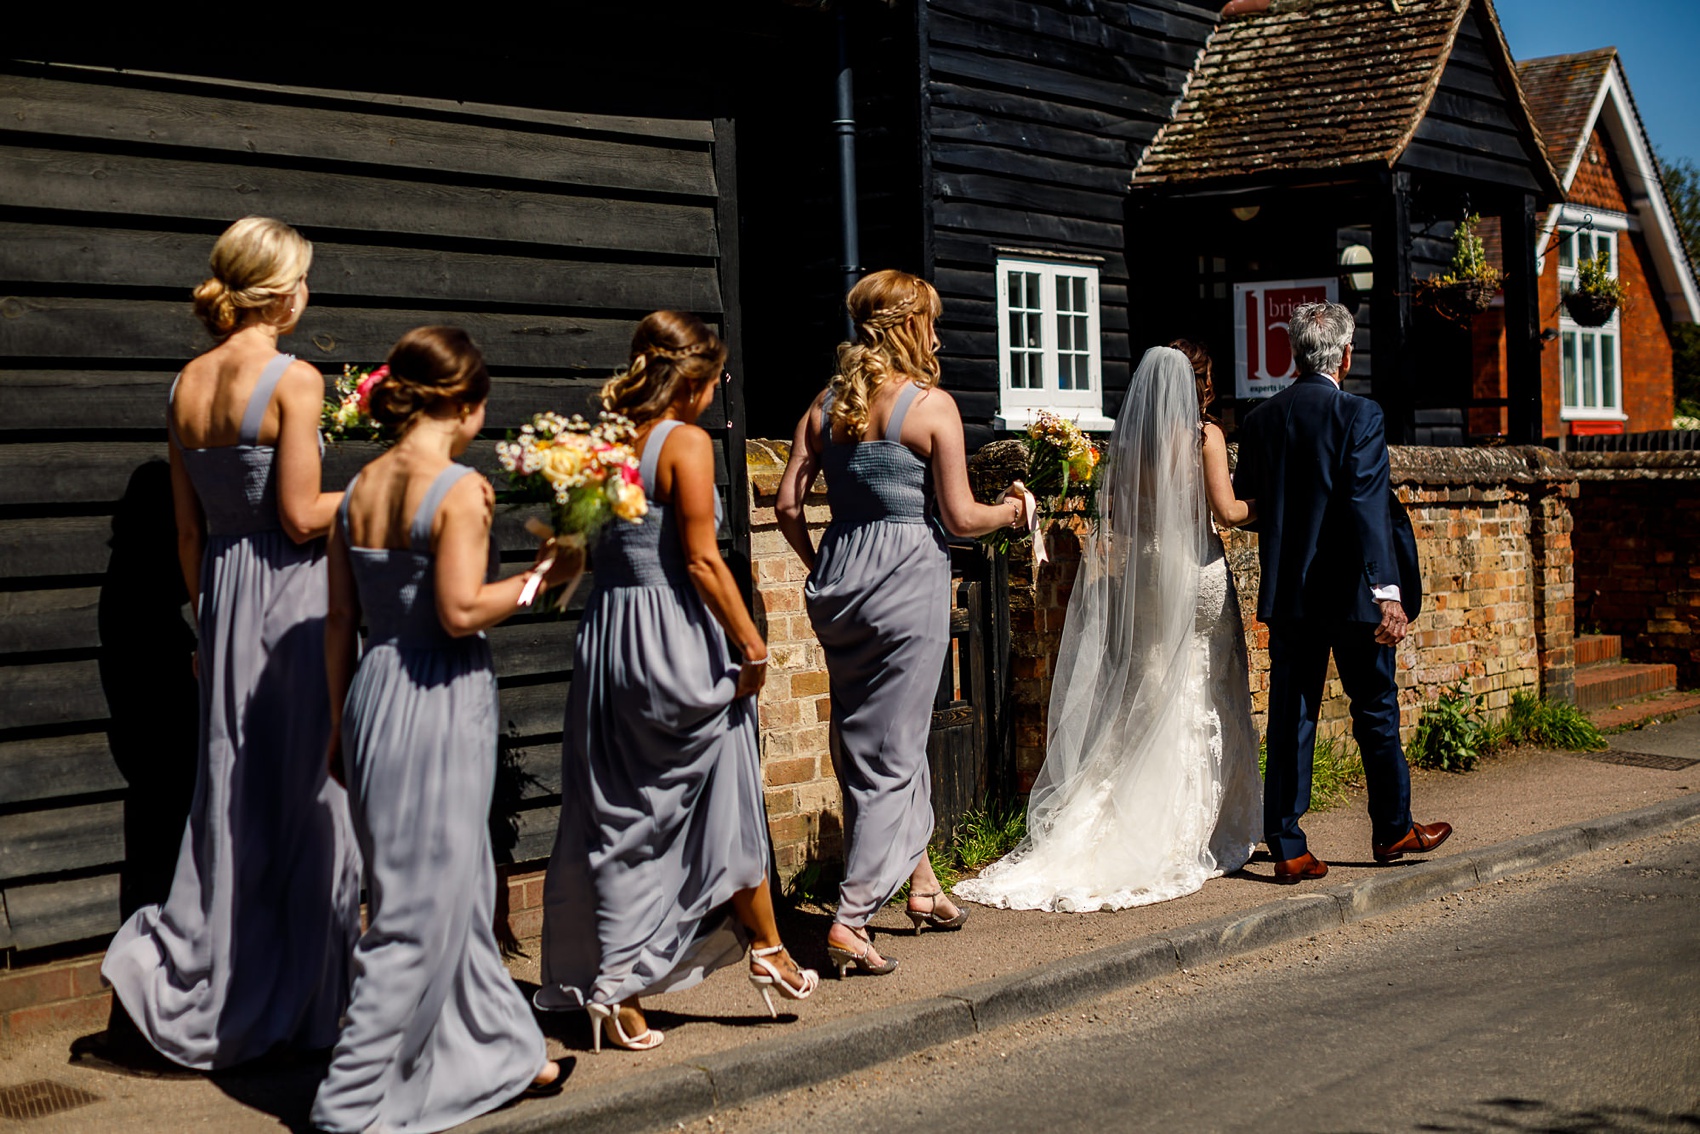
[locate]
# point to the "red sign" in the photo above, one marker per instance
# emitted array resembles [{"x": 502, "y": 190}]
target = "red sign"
[{"x": 1263, "y": 357}]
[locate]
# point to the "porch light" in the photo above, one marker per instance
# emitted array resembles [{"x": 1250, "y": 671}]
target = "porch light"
[{"x": 1358, "y": 256}]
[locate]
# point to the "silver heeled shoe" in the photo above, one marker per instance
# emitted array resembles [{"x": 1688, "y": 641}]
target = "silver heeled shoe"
[
  {"x": 932, "y": 920},
  {"x": 843, "y": 958}
]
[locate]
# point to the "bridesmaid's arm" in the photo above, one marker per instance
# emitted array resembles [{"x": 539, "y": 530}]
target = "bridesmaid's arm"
[
  {"x": 961, "y": 513},
  {"x": 686, "y": 476},
  {"x": 466, "y": 604},
  {"x": 304, "y": 512},
  {"x": 191, "y": 529},
  {"x": 342, "y": 629},
  {"x": 1219, "y": 486},
  {"x": 794, "y": 485}
]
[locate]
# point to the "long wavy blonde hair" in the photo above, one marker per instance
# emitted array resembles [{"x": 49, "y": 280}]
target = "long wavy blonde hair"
[{"x": 894, "y": 313}]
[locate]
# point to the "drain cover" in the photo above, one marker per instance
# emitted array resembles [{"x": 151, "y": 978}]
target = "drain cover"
[
  {"x": 40, "y": 1098},
  {"x": 1640, "y": 760}
]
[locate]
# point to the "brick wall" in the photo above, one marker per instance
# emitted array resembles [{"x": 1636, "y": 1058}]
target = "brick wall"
[
  {"x": 1493, "y": 537},
  {"x": 1638, "y": 554}
]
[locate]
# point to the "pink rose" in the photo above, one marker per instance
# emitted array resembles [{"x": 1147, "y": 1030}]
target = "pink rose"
[
  {"x": 630, "y": 474},
  {"x": 363, "y": 392}
]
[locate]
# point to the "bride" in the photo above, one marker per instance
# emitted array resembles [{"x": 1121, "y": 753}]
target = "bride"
[{"x": 1150, "y": 783}]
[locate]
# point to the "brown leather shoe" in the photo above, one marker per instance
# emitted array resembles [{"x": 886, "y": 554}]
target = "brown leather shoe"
[
  {"x": 1421, "y": 837},
  {"x": 1299, "y": 869}
]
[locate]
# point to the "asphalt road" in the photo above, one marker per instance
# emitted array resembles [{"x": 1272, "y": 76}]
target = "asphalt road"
[{"x": 1563, "y": 1001}]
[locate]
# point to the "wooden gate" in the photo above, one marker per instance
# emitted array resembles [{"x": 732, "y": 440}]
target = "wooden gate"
[{"x": 970, "y": 749}]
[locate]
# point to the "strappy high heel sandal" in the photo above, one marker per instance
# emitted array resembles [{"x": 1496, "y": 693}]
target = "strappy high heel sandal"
[
  {"x": 605, "y": 1019},
  {"x": 765, "y": 983},
  {"x": 843, "y": 958},
  {"x": 932, "y": 920}
]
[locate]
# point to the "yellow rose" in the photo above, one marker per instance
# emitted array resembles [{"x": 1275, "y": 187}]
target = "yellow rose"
[
  {"x": 562, "y": 465},
  {"x": 629, "y": 502}
]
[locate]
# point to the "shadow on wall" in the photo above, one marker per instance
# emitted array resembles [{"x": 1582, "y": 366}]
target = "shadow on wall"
[{"x": 146, "y": 654}]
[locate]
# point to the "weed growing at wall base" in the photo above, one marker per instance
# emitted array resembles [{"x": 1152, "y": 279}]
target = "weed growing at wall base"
[
  {"x": 1336, "y": 768},
  {"x": 1455, "y": 731}
]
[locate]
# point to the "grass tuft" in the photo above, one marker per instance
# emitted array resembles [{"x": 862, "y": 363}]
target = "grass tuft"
[
  {"x": 1336, "y": 769},
  {"x": 984, "y": 836},
  {"x": 1454, "y": 732}
]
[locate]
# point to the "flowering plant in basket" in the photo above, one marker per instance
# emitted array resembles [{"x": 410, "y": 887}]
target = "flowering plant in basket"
[
  {"x": 587, "y": 473},
  {"x": 1062, "y": 470},
  {"x": 347, "y": 415}
]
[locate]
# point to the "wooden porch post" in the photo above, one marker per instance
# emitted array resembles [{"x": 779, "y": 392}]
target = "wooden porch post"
[
  {"x": 1390, "y": 308},
  {"x": 1522, "y": 324}
]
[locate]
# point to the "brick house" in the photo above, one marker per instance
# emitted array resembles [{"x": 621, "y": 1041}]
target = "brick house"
[{"x": 1615, "y": 378}]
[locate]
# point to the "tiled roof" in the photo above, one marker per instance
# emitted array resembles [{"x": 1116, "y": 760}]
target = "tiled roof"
[
  {"x": 1561, "y": 91},
  {"x": 1307, "y": 85}
]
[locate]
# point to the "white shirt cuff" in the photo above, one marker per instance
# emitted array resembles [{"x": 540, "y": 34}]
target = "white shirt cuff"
[{"x": 1385, "y": 594}]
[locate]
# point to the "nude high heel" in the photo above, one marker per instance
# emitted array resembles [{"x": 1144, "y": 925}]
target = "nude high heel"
[
  {"x": 766, "y": 982},
  {"x": 843, "y": 958},
  {"x": 606, "y": 1019},
  {"x": 932, "y": 919}
]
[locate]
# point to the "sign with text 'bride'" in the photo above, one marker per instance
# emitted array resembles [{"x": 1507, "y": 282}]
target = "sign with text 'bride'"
[{"x": 1263, "y": 358}]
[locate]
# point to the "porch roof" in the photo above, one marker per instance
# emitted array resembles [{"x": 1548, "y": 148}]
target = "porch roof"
[{"x": 1322, "y": 85}]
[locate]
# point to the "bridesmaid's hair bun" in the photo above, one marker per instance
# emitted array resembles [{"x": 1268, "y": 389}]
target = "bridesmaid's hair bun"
[
  {"x": 257, "y": 262},
  {"x": 431, "y": 370},
  {"x": 673, "y": 354},
  {"x": 1202, "y": 371}
]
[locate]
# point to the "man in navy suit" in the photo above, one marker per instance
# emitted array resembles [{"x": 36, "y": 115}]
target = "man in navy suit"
[{"x": 1315, "y": 459}]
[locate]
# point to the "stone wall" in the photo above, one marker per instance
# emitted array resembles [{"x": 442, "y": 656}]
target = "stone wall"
[
  {"x": 1638, "y": 554},
  {"x": 1493, "y": 537}
]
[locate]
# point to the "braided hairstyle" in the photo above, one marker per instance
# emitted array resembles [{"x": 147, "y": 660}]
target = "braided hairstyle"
[
  {"x": 673, "y": 354},
  {"x": 893, "y": 312},
  {"x": 1202, "y": 368},
  {"x": 430, "y": 369},
  {"x": 257, "y": 262}
]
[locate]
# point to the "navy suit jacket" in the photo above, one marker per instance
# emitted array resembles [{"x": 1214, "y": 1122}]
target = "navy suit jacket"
[{"x": 1315, "y": 459}]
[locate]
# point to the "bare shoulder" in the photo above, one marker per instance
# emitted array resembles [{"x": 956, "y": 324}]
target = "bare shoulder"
[
  {"x": 1214, "y": 439},
  {"x": 472, "y": 494},
  {"x": 688, "y": 442},
  {"x": 937, "y": 404},
  {"x": 302, "y": 378}
]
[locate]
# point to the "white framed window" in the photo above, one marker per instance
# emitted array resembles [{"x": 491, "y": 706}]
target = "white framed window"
[
  {"x": 1049, "y": 345},
  {"x": 1589, "y": 358}
]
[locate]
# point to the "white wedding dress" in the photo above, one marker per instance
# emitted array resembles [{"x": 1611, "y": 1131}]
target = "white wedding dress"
[{"x": 1150, "y": 783}]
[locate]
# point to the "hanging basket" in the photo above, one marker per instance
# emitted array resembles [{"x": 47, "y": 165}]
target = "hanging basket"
[
  {"x": 1457, "y": 301},
  {"x": 1590, "y": 308}
]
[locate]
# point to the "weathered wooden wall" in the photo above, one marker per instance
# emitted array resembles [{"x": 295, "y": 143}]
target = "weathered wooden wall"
[
  {"x": 544, "y": 232},
  {"x": 1035, "y": 115}
]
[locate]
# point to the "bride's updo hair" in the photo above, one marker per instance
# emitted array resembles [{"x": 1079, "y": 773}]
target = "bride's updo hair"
[
  {"x": 431, "y": 370},
  {"x": 673, "y": 354},
  {"x": 893, "y": 312},
  {"x": 1202, "y": 369},
  {"x": 257, "y": 262}
]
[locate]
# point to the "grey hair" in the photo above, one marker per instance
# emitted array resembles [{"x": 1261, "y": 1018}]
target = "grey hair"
[{"x": 1320, "y": 333}]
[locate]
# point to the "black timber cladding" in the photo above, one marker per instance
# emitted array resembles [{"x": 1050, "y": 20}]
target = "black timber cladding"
[
  {"x": 544, "y": 232},
  {"x": 1035, "y": 115}
]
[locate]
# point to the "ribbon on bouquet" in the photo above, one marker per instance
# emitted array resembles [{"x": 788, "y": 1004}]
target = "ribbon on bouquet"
[
  {"x": 534, "y": 580},
  {"x": 1030, "y": 509}
]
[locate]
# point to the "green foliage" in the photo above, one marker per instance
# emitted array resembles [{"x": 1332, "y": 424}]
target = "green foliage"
[
  {"x": 1452, "y": 733},
  {"x": 1469, "y": 257},
  {"x": 1336, "y": 768},
  {"x": 984, "y": 836},
  {"x": 1549, "y": 724},
  {"x": 1594, "y": 277}
]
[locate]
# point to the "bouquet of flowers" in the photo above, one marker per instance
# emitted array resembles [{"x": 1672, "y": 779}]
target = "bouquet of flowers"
[
  {"x": 347, "y": 415},
  {"x": 1058, "y": 466},
  {"x": 587, "y": 474}
]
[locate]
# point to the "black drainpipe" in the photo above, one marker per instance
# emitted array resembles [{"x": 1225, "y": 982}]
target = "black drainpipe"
[{"x": 845, "y": 127}]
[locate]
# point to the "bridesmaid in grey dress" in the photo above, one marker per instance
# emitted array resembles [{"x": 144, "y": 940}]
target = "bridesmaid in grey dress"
[
  {"x": 249, "y": 952},
  {"x": 437, "y": 1031},
  {"x": 659, "y": 872},
  {"x": 878, "y": 592}
]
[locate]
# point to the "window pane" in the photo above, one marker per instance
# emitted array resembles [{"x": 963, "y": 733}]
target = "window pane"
[
  {"x": 1608, "y": 245},
  {"x": 1608, "y": 371},
  {"x": 1590, "y": 393},
  {"x": 1567, "y": 250},
  {"x": 1584, "y": 246},
  {"x": 1570, "y": 398}
]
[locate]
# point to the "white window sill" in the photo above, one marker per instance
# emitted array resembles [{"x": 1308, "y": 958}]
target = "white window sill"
[
  {"x": 1019, "y": 418},
  {"x": 1589, "y": 414}
]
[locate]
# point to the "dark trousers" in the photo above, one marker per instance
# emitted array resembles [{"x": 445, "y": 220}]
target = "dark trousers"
[{"x": 1298, "y": 667}]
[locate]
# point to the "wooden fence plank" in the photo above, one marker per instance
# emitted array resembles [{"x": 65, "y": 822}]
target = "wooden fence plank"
[
  {"x": 151, "y": 186},
  {"x": 54, "y": 913},
  {"x": 51, "y": 693},
  {"x": 216, "y": 120},
  {"x": 35, "y": 620},
  {"x": 60, "y": 839},
  {"x": 50, "y": 767},
  {"x": 61, "y": 545},
  {"x": 53, "y": 327},
  {"x": 71, "y": 474},
  {"x": 59, "y": 254}
]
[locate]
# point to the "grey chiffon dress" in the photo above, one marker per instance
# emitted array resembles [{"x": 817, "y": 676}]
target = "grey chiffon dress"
[
  {"x": 249, "y": 952},
  {"x": 437, "y": 1030},
  {"x": 879, "y": 599},
  {"x": 662, "y": 816}
]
